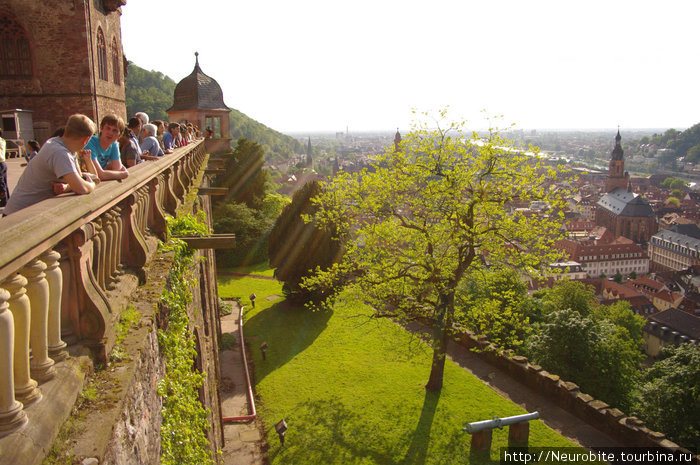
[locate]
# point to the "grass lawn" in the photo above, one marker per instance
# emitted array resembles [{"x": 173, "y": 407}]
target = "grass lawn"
[
  {"x": 352, "y": 391},
  {"x": 262, "y": 269}
]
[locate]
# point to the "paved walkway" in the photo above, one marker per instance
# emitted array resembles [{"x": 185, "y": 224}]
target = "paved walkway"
[{"x": 243, "y": 441}]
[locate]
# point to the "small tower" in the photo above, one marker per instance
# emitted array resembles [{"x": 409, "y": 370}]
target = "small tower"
[
  {"x": 617, "y": 177},
  {"x": 397, "y": 140},
  {"x": 198, "y": 98}
]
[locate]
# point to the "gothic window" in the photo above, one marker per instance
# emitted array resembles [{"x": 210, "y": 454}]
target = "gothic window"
[
  {"x": 15, "y": 57},
  {"x": 116, "y": 68},
  {"x": 102, "y": 55}
]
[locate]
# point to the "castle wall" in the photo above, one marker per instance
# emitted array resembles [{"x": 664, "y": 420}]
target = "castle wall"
[{"x": 62, "y": 54}]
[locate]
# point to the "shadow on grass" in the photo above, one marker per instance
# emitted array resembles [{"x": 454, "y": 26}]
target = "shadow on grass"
[
  {"x": 288, "y": 330},
  {"x": 326, "y": 431},
  {"x": 418, "y": 450}
]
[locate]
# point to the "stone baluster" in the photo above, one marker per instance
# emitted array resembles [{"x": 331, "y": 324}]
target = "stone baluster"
[
  {"x": 110, "y": 237},
  {"x": 54, "y": 277},
  {"x": 118, "y": 266},
  {"x": 96, "y": 253},
  {"x": 100, "y": 272},
  {"x": 12, "y": 416},
  {"x": 38, "y": 293},
  {"x": 25, "y": 387}
]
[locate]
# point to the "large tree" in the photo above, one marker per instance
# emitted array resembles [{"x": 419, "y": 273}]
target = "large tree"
[
  {"x": 429, "y": 212},
  {"x": 297, "y": 247},
  {"x": 669, "y": 397},
  {"x": 245, "y": 176}
]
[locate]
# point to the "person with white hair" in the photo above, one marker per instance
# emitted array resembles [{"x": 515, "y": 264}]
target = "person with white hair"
[
  {"x": 150, "y": 145},
  {"x": 144, "y": 120}
]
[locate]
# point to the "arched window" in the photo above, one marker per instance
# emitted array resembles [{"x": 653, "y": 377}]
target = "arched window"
[
  {"x": 15, "y": 57},
  {"x": 102, "y": 55},
  {"x": 116, "y": 68}
]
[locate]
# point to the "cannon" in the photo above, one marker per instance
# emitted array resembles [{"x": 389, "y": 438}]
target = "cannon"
[
  {"x": 499, "y": 423},
  {"x": 518, "y": 431}
]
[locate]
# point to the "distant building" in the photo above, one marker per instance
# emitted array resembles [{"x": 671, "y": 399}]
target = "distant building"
[
  {"x": 620, "y": 210},
  {"x": 598, "y": 258},
  {"x": 670, "y": 327},
  {"x": 677, "y": 248}
]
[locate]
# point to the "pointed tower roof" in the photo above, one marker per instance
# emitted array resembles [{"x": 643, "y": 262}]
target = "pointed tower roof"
[
  {"x": 198, "y": 92},
  {"x": 617, "y": 152}
]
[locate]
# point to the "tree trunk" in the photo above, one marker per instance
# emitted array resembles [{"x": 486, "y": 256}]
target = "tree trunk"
[
  {"x": 441, "y": 332},
  {"x": 437, "y": 370}
]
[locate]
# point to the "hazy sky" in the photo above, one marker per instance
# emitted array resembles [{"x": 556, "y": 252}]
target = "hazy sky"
[{"x": 326, "y": 65}]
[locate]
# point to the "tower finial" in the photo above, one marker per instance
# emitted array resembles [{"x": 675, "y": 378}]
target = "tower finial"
[{"x": 196, "y": 58}]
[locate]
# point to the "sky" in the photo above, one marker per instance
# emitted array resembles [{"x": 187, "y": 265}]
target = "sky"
[{"x": 325, "y": 65}]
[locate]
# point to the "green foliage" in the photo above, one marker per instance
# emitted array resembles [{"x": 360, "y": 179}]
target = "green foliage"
[
  {"x": 424, "y": 215},
  {"x": 595, "y": 354},
  {"x": 128, "y": 318},
  {"x": 250, "y": 227},
  {"x": 185, "y": 420},
  {"x": 673, "y": 201},
  {"x": 669, "y": 397},
  {"x": 621, "y": 315},
  {"x": 273, "y": 204},
  {"x": 188, "y": 225},
  {"x": 296, "y": 247},
  {"x": 673, "y": 183},
  {"x": 565, "y": 294},
  {"x": 276, "y": 146},
  {"x": 245, "y": 177},
  {"x": 495, "y": 304},
  {"x": 597, "y": 347},
  {"x": 225, "y": 308},
  {"x": 148, "y": 91}
]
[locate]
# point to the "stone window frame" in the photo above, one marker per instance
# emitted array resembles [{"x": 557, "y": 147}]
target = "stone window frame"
[
  {"x": 15, "y": 49},
  {"x": 102, "y": 70},
  {"x": 116, "y": 67}
]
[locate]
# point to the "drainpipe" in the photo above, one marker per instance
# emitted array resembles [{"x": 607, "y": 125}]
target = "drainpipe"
[{"x": 251, "y": 400}]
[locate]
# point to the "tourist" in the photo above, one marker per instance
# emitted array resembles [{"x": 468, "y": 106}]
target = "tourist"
[
  {"x": 182, "y": 137},
  {"x": 105, "y": 149},
  {"x": 150, "y": 145},
  {"x": 159, "y": 132},
  {"x": 143, "y": 117},
  {"x": 55, "y": 168},
  {"x": 32, "y": 150},
  {"x": 170, "y": 137},
  {"x": 4, "y": 191},
  {"x": 131, "y": 152}
]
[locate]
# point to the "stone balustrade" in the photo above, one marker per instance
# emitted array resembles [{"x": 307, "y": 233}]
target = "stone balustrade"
[{"x": 60, "y": 258}]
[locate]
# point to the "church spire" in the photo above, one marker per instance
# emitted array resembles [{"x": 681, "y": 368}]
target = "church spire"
[
  {"x": 617, "y": 152},
  {"x": 397, "y": 140}
]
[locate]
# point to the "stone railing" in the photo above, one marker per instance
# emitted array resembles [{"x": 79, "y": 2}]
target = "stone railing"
[
  {"x": 60, "y": 258},
  {"x": 628, "y": 431}
]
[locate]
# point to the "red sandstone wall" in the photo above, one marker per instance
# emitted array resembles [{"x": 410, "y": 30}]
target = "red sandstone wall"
[{"x": 62, "y": 62}]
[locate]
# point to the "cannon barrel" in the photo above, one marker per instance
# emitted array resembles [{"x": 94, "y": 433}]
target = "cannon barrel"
[{"x": 496, "y": 422}]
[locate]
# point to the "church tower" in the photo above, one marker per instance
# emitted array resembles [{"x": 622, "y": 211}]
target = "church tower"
[
  {"x": 397, "y": 140},
  {"x": 617, "y": 177}
]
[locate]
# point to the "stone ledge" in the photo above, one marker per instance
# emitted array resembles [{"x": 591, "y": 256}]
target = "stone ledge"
[{"x": 32, "y": 442}]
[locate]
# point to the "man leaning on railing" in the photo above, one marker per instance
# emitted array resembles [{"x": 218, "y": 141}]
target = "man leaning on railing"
[{"x": 55, "y": 168}]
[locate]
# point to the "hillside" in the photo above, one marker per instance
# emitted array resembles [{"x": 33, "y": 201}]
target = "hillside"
[
  {"x": 152, "y": 92},
  {"x": 683, "y": 143}
]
